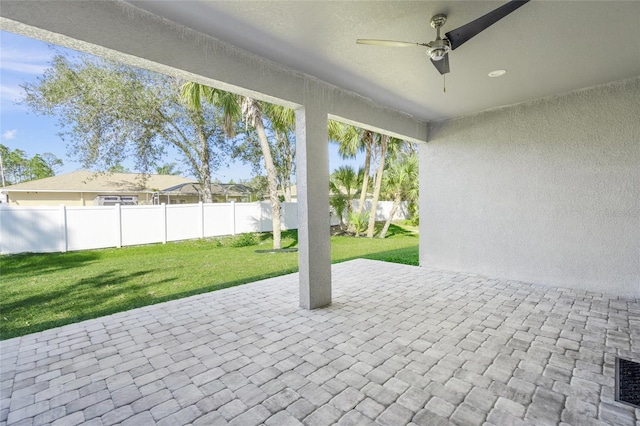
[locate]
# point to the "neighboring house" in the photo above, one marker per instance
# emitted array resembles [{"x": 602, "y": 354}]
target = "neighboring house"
[
  {"x": 86, "y": 188},
  {"x": 190, "y": 192}
]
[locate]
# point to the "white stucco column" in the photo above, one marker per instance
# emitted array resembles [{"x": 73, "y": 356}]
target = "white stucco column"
[{"x": 314, "y": 254}]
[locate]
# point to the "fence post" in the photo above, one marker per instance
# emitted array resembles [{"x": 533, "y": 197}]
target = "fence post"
[
  {"x": 163, "y": 206},
  {"x": 118, "y": 211},
  {"x": 201, "y": 204},
  {"x": 233, "y": 218},
  {"x": 63, "y": 229}
]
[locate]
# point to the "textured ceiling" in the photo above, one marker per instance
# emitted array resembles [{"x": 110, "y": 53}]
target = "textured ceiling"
[{"x": 548, "y": 47}]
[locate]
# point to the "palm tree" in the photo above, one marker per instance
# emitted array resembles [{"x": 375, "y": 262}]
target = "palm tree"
[
  {"x": 401, "y": 182},
  {"x": 386, "y": 149},
  {"x": 168, "y": 169},
  {"x": 194, "y": 95},
  {"x": 382, "y": 151},
  {"x": 283, "y": 122},
  {"x": 352, "y": 140},
  {"x": 252, "y": 113},
  {"x": 233, "y": 107},
  {"x": 339, "y": 203},
  {"x": 343, "y": 185}
]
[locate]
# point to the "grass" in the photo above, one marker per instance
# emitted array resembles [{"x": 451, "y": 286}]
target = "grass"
[{"x": 42, "y": 291}]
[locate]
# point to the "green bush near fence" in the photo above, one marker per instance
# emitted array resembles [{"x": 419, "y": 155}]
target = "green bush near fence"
[
  {"x": 41, "y": 291},
  {"x": 244, "y": 240}
]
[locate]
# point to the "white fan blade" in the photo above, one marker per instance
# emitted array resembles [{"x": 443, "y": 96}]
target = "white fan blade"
[{"x": 391, "y": 43}]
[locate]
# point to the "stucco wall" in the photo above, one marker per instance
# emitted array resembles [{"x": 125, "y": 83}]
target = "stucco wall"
[
  {"x": 49, "y": 198},
  {"x": 546, "y": 191},
  {"x": 27, "y": 199}
]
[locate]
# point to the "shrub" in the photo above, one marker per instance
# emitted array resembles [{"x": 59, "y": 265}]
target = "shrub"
[
  {"x": 414, "y": 215},
  {"x": 243, "y": 240},
  {"x": 359, "y": 222}
]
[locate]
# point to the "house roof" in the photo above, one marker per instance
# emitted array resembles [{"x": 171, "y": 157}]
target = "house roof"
[{"x": 87, "y": 181}]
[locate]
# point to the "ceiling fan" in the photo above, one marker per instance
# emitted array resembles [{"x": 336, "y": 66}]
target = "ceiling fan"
[{"x": 438, "y": 49}]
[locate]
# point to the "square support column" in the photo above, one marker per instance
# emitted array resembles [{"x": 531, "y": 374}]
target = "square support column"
[{"x": 314, "y": 253}]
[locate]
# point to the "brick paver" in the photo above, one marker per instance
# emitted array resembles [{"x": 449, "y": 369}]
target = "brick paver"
[{"x": 399, "y": 345}]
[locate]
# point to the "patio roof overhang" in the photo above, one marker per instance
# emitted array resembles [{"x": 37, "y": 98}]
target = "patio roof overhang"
[{"x": 119, "y": 31}]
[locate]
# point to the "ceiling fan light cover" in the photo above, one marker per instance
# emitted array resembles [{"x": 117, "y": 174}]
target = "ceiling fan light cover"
[
  {"x": 438, "y": 49},
  {"x": 437, "y": 54}
]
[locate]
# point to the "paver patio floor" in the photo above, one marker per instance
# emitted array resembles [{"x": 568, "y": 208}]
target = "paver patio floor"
[{"x": 399, "y": 345}]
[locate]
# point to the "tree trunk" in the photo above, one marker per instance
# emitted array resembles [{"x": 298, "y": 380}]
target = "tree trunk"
[
  {"x": 290, "y": 160},
  {"x": 342, "y": 225},
  {"x": 287, "y": 193},
  {"x": 394, "y": 208},
  {"x": 272, "y": 179},
  {"x": 205, "y": 163},
  {"x": 378, "y": 186},
  {"x": 207, "y": 197},
  {"x": 365, "y": 178}
]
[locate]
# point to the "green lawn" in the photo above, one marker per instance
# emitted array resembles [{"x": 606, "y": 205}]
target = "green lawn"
[{"x": 41, "y": 291}]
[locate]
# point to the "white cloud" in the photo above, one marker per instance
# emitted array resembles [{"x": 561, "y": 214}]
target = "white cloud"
[
  {"x": 30, "y": 53},
  {"x": 25, "y": 61},
  {"x": 10, "y": 134},
  {"x": 11, "y": 93},
  {"x": 23, "y": 67}
]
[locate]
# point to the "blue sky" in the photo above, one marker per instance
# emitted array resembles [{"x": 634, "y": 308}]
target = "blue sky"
[{"x": 22, "y": 60}]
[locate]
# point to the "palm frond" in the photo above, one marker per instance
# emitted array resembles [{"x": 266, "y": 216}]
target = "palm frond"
[{"x": 282, "y": 118}]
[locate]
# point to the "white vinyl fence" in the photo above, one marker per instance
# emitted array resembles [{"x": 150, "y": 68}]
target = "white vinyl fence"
[{"x": 60, "y": 229}]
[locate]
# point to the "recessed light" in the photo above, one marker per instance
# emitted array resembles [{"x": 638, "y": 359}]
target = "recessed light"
[{"x": 497, "y": 73}]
